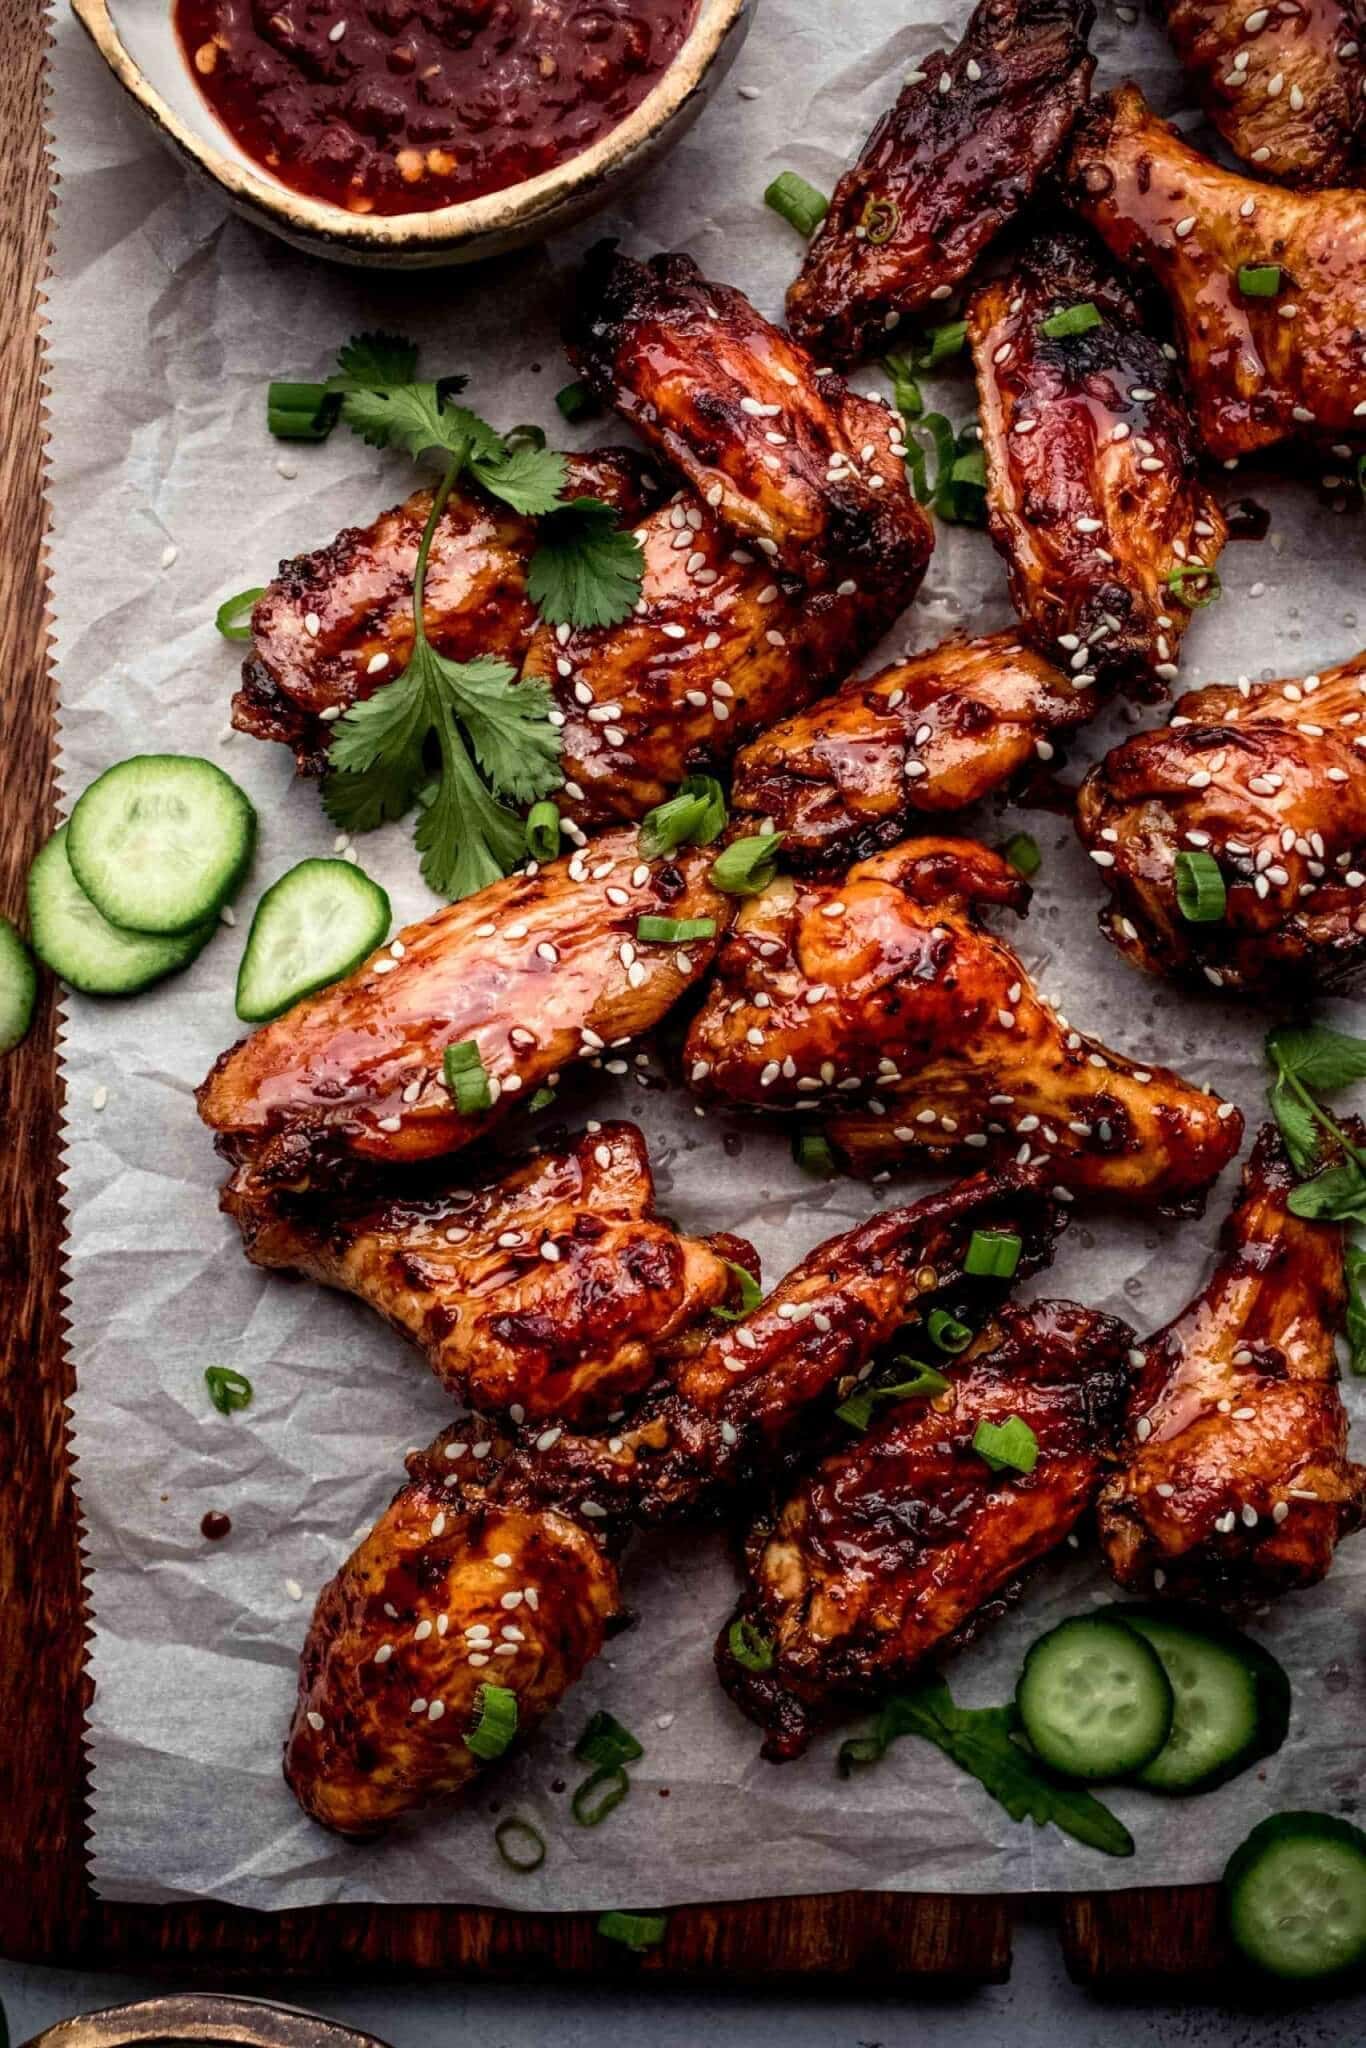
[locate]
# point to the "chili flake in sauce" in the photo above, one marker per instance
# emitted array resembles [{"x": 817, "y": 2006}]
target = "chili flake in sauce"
[{"x": 396, "y": 106}]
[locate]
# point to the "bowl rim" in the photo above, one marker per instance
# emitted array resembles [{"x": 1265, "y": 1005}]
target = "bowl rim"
[{"x": 490, "y": 213}]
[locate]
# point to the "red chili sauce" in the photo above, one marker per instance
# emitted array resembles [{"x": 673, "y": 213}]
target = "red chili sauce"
[{"x": 395, "y": 106}]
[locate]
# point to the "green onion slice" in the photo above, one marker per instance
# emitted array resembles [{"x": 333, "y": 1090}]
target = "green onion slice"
[
  {"x": 496, "y": 1725},
  {"x": 811, "y": 1150},
  {"x": 693, "y": 816},
  {"x": 1007, "y": 1446},
  {"x": 1194, "y": 572},
  {"x": 606, "y": 1743},
  {"x": 945, "y": 342},
  {"x": 1259, "y": 280},
  {"x": 747, "y": 866},
  {"x": 800, "y": 204},
  {"x": 228, "y": 1389},
  {"x": 525, "y": 436},
  {"x": 613, "y": 1784},
  {"x": 1022, "y": 851},
  {"x": 543, "y": 830},
  {"x": 857, "y": 1411},
  {"x": 751, "y": 1294},
  {"x": 906, "y": 395},
  {"x": 577, "y": 402},
  {"x": 542, "y": 1099},
  {"x": 993, "y": 1254},
  {"x": 674, "y": 931},
  {"x": 521, "y": 1846},
  {"x": 749, "y": 1646},
  {"x": 1072, "y": 320},
  {"x": 947, "y": 1333},
  {"x": 1201, "y": 896},
  {"x": 880, "y": 220},
  {"x": 466, "y": 1078},
  {"x": 301, "y": 412},
  {"x": 233, "y": 617},
  {"x": 636, "y": 1931}
]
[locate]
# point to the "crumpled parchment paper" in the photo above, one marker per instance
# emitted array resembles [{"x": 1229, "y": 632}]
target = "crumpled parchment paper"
[{"x": 167, "y": 320}]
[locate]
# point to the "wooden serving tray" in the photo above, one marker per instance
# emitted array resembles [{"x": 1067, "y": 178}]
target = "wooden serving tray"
[{"x": 48, "y": 1913}]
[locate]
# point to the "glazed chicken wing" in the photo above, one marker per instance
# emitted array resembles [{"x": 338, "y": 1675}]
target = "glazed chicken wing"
[
  {"x": 538, "y": 971},
  {"x": 927, "y": 735},
  {"x": 335, "y": 625},
  {"x": 1094, "y": 496},
  {"x": 1263, "y": 366},
  {"x": 879, "y": 1006},
  {"x": 893, "y": 1547},
  {"x": 957, "y": 157},
  {"x": 1236, "y": 1483},
  {"x": 1281, "y": 83},
  {"x": 1266, "y": 781},
  {"x": 545, "y": 1292}
]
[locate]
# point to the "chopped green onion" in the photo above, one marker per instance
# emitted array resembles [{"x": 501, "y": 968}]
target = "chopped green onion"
[
  {"x": 233, "y": 617},
  {"x": 617, "y": 1785},
  {"x": 857, "y": 1411},
  {"x": 1072, "y": 320},
  {"x": 512, "y": 1830},
  {"x": 880, "y": 220},
  {"x": 525, "y": 436},
  {"x": 542, "y": 1099},
  {"x": 945, "y": 441},
  {"x": 1259, "y": 280},
  {"x": 906, "y": 396},
  {"x": 606, "y": 1743},
  {"x": 496, "y": 1708},
  {"x": 674, "y": 931},
  {"x": 945, "y": 342},
  {"x": 749, "y": 1646},
  {"x": 962, "y": 496},
  {"x": 800, "y": 204},
  {"x": 1201, "y": 896},
  {"x": 636, "y": 1931},
  {"x": 228, "y": 1389},
  {"x": 751, "y": 1294},
  {"x": 947, "y": 1333},
  {"x": 811, "y": 1150},
  {"x": 747, "y": 866},
  {"x": 577, "y": 402},
  {"x": 1022, "y": 851},
  {"x": 693, "y": 816},
  {"x": 543, "y": 830},
  {"x": 466, "y": 1078},
  {"x": 1007, "y": 1446},
  {"x": 301, "y": 412},
  {"x": 1194, "y": 572},
  {"x": 993, "y": 1254}
]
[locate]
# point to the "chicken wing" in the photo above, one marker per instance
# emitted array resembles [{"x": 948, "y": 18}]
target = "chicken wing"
[
  {"x": 1282, "y": 83},
  {"x": 1094, "y": 496},
  {"x": 880, "y": 1007},
  {"x": 1236, "y": 1482},
  {"x": 931, "y": 734},
  {"x": 960, "y": 154},
  {"x": 538, "y": 971},
  {"x": 545, "y": 1292},
  {"x": 335, "y": 625},
  {"x": 1268, "y": 287},
  {"x": 1267, "y": 781},
  {"x": 894, "y": 1546}
]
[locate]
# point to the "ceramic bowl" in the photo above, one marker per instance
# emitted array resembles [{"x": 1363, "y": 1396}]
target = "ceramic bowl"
[{"x": 138, "y": 42}]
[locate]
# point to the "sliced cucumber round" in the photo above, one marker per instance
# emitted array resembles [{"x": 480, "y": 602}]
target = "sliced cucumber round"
[
  {"x": 1232, "y": 1699},
  {"x": 83, "y": 948},
  {"x": 18, "y": 987},
  {"x": 1094, "y": 1699},
  {"x": 311, "y": 927},
  {"x": 1295, "y": 1896},
  {"x": 160, "y": 842}
]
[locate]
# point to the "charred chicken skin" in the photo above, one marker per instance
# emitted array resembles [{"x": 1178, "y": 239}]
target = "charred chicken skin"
[
  {"x": 1283, "y": 84},
  {"x": 927, "y": 735},
  {"x": 960, "y": 153},
  {"x": 1236, "y": 1482},
  {"x": 545, "y": 1292},
  {"x": 539, "y": 970},
  {"x": 1267, "y": 780},
  {"x": 898, "y": 1545},
  {"x": 1094, "y": 495},
  {"x": 879, "y": 1006},
  {"x": 1262, "y": 368}
]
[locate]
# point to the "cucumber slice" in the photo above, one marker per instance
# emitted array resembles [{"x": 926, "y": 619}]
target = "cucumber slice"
[
  {"x": 1094, "y": 1699},
  {"x": 159, "y": 842},
  {"x": 83, "y": 948},
  {"x": 1295, "y": 1896},
  {"x": 18, "y": 987},
  {"x": 311, "y": 927},
  {"x": 1232, "y": 1699}
]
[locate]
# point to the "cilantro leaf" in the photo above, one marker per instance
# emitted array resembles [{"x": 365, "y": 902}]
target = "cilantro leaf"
[
  {"x": 1320, "y": 1058},
  {"x": 466, "y": 838},
  {"x": 586, "y": 570},
  {"x": 981, "y": 1740},
  {"x": 375, "y": 362},
  {"x": 508, "y": 722},
  {"x": 1296, "y": 1122},
  {"x": 1337, "y": 1195},
  {"x": 529, "y": 479},
  {"x": 1354, "y": 1273},
  {"x": 419, "y": 417}
]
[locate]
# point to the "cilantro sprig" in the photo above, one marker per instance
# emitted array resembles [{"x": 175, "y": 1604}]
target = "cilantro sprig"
[{"x": 1308, "y": 1061}]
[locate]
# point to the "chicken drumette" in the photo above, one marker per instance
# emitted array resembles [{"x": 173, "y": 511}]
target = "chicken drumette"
[
  {"x": 1263, "y": 785},
  {"x": 1094, "y": 494},
  {"x": 880, "y": 1007},
  {"x": 1236, "y": 1483},
  {"x": 900, "y": 1544},
  {"x": 1267, "y": 286},
  {"x": 959, "y": 154}
]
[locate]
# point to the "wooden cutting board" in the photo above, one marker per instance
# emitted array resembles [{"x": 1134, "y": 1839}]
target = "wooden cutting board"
[{"x": 47, "y": 1911}]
